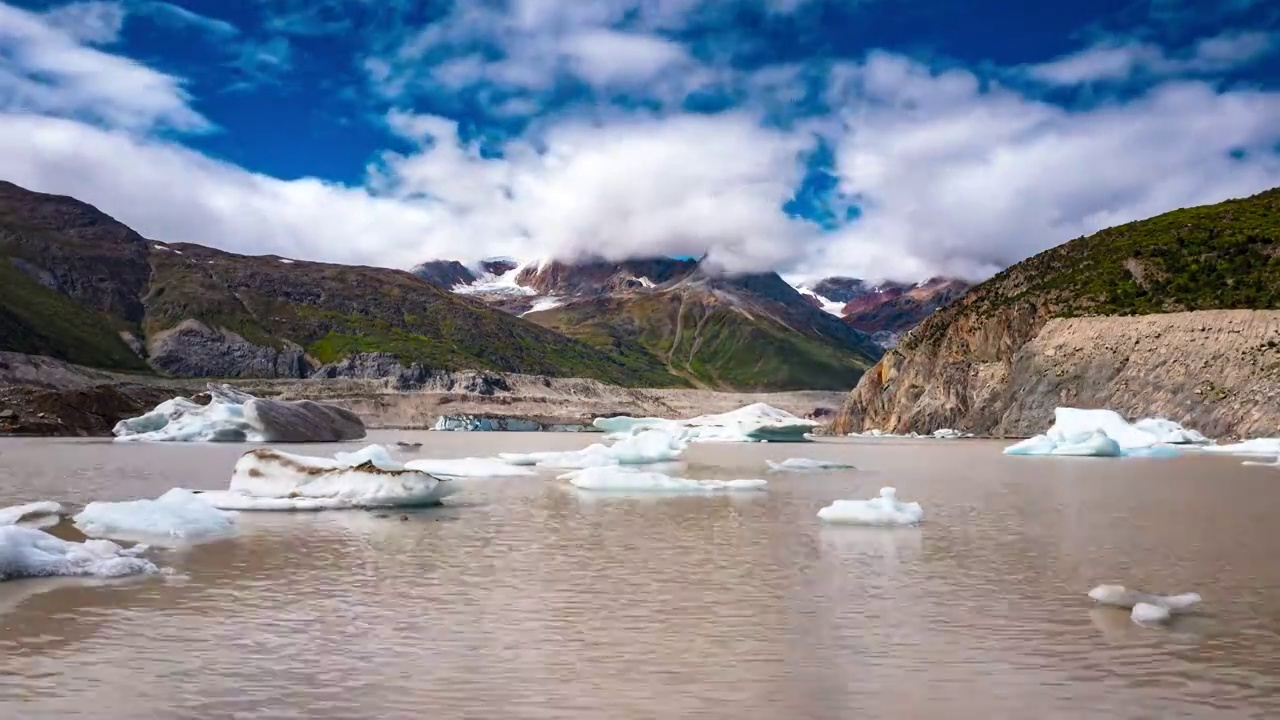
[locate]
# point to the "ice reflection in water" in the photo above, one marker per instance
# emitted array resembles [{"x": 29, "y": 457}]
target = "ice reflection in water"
[{"x": 527, "y": 599}]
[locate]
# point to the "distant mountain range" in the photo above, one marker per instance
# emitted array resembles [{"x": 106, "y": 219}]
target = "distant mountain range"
[
  {"x": 748, "y": 332},
  {"x": 77, "y": 285}
]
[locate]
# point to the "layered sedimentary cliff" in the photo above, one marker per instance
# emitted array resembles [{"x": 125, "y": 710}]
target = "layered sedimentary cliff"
[{"x": 1215, "y": 370}]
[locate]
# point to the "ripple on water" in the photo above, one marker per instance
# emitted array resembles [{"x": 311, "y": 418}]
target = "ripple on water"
[{"x": 527, "y": 599}]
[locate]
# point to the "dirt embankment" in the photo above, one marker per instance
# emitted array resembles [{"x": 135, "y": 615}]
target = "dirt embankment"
[
  {"x": 43, "y": 396},
  {"x": 1217, "y": 371}
]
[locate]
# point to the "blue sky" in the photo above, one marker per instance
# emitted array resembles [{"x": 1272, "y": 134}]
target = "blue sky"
[{"x": 869, "y": 137}]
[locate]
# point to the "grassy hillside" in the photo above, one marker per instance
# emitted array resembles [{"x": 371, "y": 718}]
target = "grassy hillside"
[
  {"x": 710, "y": 343},
  {"x": 71, "y": 278},
  {"x": 1223, "y": 256}
]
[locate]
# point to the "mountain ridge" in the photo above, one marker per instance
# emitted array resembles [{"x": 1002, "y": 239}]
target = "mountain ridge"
[{"x": 992, "y": 362}]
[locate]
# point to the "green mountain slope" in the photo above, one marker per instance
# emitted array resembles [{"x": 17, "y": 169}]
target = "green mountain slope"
[
  {"x": 74, "y": 279},
  {"x": 972, "y": 366},
  {"x": 718, "y": 337},
  {"x": 1223, "y": 256}
]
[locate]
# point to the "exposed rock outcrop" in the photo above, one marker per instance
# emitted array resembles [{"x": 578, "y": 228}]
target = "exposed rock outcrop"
[
  {"x": 193, "y": 349},
  {"x": 384, "y": 366},
  {"x": 1153, "y": 318},
  {"x": 1217, "y": 371}
]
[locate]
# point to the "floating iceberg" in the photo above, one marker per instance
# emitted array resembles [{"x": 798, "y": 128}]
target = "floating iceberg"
[
  {"x": 883, "y": 510},
  {"x": 1094, "y": 444},
  {"x": 1146, "y": 608},
  {"x": 949, "y": 434},
  {"x": 753, "y": 423},
  {"x": 1257, "y": 447},
  {"x": 1104, "y": 433},
  {"x": 235, "y": 416},
  {"x": 268, "y": 479},
  {"x": 17, "y": 513},
  {"x": 617, "y": 479},
  {"x": 176, "y": 514},
  {"x": 27, "y": 552},
  {"x": 654, "y": 445},
  {"x": 468, "y": 467},
  {"x": 806, "y": 464}
]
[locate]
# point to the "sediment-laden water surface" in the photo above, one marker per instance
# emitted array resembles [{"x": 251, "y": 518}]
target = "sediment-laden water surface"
[{"x": 523, "y": 598}]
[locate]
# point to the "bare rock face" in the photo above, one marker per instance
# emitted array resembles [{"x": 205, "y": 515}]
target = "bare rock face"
[
  {"x": 415, "y": 377},
  {"x": 304, "y": 421},
  {"x": 193, "y": 349},
  {"x": 1211, "y": 370}
]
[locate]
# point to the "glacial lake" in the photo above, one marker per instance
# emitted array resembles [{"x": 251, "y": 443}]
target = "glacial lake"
[{"x": 523, "y": 598}]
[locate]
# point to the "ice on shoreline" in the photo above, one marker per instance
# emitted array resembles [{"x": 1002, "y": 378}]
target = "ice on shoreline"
[
  {"x": 1104, "y": 433},
  {"x": 652, "y": 445},
  {"x": 235, "y": 416},
  {"x": 179, "y": 514},
  {"x": 758, "y": 422},
  {"x": 268, "y": 479},
  {"x": 616, "y": 479},
  {"x": 27, "y": 553},
  {"x": 884, "y": 510},
  {"x": 17, "y": 513},
  {"x": 1146, "y": 608}
]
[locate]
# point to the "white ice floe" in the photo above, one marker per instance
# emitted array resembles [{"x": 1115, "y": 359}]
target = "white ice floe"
[
  {"x": 806, "y": 464},
  {"x": 616, "y": 479},
  {"x": 27, "y": 552},
  {"x": 470, "y": 467},
  {"x": 235, "y": 416},
  {"x": 883, "y": 510},
  {"x": 268, "y": 479},
  {"x": 753, "y": 423},
  {"x": 654, "y": 445},
  {"x": 1259, "y": 447},
  {"x": 1104, "y": 433},
  {"x": 17, "y": 513},
  {"x": 1146, "y": 608},
  {"x": 179, "y": 514},
  {"x": 949, "y": 434}
]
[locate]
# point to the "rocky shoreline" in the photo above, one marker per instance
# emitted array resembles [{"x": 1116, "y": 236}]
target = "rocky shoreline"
[{"x": 41, "y": 396}]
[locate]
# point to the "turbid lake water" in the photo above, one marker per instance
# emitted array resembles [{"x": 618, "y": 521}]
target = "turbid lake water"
[{"x": 525, "y": 599}]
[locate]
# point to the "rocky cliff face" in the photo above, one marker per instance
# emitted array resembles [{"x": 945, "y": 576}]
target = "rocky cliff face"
[
  {"x": 193, "y": 349},
  {"x": 1150, "y": 318},
  {"x": 1212, "y": 370}
]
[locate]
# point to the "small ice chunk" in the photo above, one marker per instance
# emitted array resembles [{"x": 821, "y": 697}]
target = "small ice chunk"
[
  {"x": 629, "y": 480},
  {"x": 176, "y": 514},
  {"x": 1147, "y": 614},
  {"x": 470, "y": 467},
  {"x": 1122, "y": 597},
  {"x": 806, "y": 464},
  {"x": 17, "y": 513},
  {"x": 27, "y": 552},
  {"x": 649, "y": 446},
  {"x": 268, "y": 479},
  {"x": 883, "y": 510}
]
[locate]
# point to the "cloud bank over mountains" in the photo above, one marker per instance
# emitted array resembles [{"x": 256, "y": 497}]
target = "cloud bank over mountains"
[{"x": 625, "y": 127}]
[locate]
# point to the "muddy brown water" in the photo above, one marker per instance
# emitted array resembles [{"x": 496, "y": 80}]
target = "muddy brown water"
[{"x": 526, "y": 599}]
